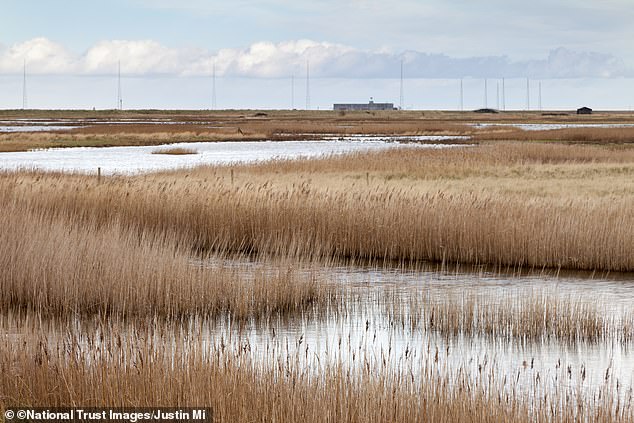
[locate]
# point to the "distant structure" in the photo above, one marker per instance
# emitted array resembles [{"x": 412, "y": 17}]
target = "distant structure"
[
  {"x": 364, "y": 106},
  {"x": 119, "y": 95},
  {"x": 24, "y": 102},
  {"x": 584, "y": 111},
  {"x": 485, "y": 110},
  {"x": 213, "y": 87},
  {"x": 292, "y": 92},
  {"x": 402, "y": 97},
  {"x": 307, "y": 85},
  {"x": 461, "y": 96}
]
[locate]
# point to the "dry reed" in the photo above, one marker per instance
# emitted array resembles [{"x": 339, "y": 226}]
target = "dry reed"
[
  {"x": 526, "y": 316},
  {"x": 588, "y": 135},
  {"x": 149, "y": 365},
  {"x": 59, "y": 267},
  {"x": 391, "y": 212},
  {"x": 175, "y": 151}
]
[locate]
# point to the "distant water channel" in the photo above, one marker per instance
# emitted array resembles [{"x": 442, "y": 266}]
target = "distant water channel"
[
  {"x": 553, "y": 126},
  {"x": 128, "y": 160}
]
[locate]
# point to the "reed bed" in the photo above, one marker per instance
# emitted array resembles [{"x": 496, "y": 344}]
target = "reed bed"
[
  {"x": 589, "y": 135},
  {"x": 494, "y": 159},
  {"x": 118, "y": 136},
  {"x": 525, "y": 316},
  {"x": 58, "y": 266},
  {"x": 575, "y": 215},
  {"x": 149, "y": 365},
  {"x": 175, "y": 151}
]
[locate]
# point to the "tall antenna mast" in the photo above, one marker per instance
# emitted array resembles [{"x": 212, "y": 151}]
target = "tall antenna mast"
[
  {"x": 24, "y": 103},
  {"x": 503, "y": 94},
  {"x": 461, "y": 96},
  {"x": 292, "y": 92},
  {"x": 540, "y": 95},
  {"x": 402, "y": 97},
  {"x": 497, "y": 95},
  {"x": 486, "y": 97},
  {"x": 307, "y": 85},
  {"x": 213, "y": 87},
  {"x": 119, "y": 96},
  {"x": 528, "y": 95}
]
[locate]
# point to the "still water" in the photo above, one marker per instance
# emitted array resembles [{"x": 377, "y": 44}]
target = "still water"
[
  {"x": 128, "y": 160},
  {"x": 360, "y": 334},
  {"x": 366, "y": 335}
]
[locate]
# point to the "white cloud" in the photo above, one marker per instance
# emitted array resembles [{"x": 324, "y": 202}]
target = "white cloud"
[
  {"x": 136, "y": 57},
  {"x": 41, "y": 56},
  {"x": 271, "y": 60}
]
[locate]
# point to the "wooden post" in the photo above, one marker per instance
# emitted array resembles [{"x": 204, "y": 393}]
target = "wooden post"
[
  {"x": 367, "y": 178},
  {"x": 98, "y": 175},
  {"x": 232, "y": 176}
]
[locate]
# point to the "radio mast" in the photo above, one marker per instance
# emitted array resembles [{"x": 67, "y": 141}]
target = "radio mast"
[
  {"x": 119, "y": 95},
  {"x": 293, "y": 92},
  {"x": 402, "y": 96},
  {"x": 461, "y": 96},
  {"x": 24, "y": 103},
  {"x": 213, "y": 87},
  {"x": 307, "y": 85}
]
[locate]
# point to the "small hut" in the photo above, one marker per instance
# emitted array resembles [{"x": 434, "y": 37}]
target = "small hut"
[{"x": 584, "y": 111}]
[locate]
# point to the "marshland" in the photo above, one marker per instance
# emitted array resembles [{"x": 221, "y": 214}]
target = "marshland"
[{"x": 486, "y": 275}]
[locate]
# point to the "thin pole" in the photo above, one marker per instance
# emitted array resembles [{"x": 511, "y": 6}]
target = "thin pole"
[
  {"x": 292, "y": 92},
  {"x": 307, "y": 85},
  {"x": 119, "y": 95},
  {"x": 503, "y": 94},
  {"x": 486, "y": 97},
  {"x": 461, "y": 96},
  {"x": 24, "y": 103},
  {"x": 540, "y": 95},
  {"x": 497, "y": 95},
  {"x": 213, "y": 87},
  {"x": 402, "y": 97},
  {"x": 528, "y": 94}
]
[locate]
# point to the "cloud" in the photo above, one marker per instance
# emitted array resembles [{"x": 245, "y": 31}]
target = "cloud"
[
  {"x": 274, "y": 60},
  {"x": 137, "y": 58},
  {"x": 564, "y": 63},
  {"x": 41, "y": 55}
]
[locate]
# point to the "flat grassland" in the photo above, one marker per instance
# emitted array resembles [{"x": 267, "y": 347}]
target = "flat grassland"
[{"x": 152, "y": 127}]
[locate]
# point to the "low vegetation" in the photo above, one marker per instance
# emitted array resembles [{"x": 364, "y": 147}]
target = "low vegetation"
[
  {"x": 155, "y": 127},
  {"x": 175, "y": 151},
  {"x": 525, "y": 315},
  {"x": 144, "y": 365}
]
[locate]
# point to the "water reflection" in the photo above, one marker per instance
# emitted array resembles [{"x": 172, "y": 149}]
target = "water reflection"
[{"x": 363, "y": 333}]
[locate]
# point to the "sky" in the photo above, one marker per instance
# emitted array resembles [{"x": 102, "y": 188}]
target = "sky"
[{"x": 260, "y": 49}]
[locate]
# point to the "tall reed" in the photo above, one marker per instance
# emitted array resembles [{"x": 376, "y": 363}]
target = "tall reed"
[{"x": 59, "y": 266}]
